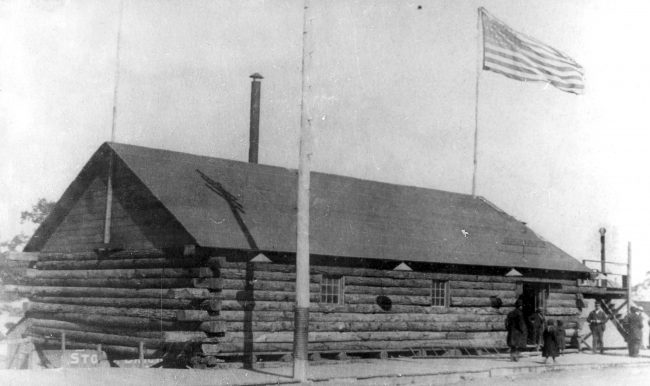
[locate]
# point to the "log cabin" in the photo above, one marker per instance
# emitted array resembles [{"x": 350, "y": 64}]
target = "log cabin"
[{"x": 202, "y": 254}]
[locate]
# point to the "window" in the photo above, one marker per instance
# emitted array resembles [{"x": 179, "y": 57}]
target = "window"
[
  {"x": 331, "y": 289},
  {"x": 439, "y": 293}
]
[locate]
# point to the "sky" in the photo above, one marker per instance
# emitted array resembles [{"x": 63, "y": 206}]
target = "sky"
[{"x": 392, "y": 90}]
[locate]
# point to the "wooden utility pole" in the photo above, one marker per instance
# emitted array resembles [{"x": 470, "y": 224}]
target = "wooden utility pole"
[
  {"x": 301, "y": 313},
  {"x": 109, "y": 180},
  {"x": 629, "y": 275}
]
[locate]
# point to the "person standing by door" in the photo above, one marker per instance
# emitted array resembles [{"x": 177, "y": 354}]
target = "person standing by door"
[
  {"x": 517, "y": 331},
  {"x": 597, "y": 319}
]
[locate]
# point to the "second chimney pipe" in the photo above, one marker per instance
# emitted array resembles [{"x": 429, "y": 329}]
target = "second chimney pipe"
[
  {"x": 602, "y": 249},
  {"x": 255, "y": 118}
]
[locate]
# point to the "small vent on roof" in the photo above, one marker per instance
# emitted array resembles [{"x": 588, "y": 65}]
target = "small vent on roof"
[
  {"x": 260, "y": 259},
  {"x": 402, "y": 267},
  {"x": 514, "y": 272}
]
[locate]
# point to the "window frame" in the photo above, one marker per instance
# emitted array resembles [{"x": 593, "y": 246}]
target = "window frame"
[
  {"x": 434, "y": 289},
  {"x": 328, "y": 281}
]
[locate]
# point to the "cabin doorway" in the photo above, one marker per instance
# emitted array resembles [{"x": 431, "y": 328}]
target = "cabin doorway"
[{"x": 533, "y": 297}]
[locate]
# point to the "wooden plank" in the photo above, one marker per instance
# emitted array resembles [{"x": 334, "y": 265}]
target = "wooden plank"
[{"x": 22, "y": 256}]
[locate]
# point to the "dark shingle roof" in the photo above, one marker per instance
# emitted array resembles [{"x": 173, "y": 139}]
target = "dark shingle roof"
[{"x": 238, "y": 205}]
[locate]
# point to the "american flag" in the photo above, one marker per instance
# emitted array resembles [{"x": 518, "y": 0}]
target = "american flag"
[{"x": 520, "y": 57}]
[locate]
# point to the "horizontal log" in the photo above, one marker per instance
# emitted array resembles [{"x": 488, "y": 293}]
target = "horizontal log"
[
  {"x": 151, "y": 313},
  {"x": 140, "y": 263},
  {"x": 183, "y": 336},
  {"x": 113, "y": 350},
  {"x": 561, "y": 303},
  {"x": 270, "y": 316},
  {"x": 233, "y": 305},
  {"x": 386, "y": 282},
  {"x": 22, "y": 256},
  {"x": 192, "y": 315},
  {"x": 265, "y": 285},
  {"x": 365, "y": 346},
  {"x": 287, "y": 336},
  {"x": 122, "y": 302},
  {"x": 395, "y": 299},
  {"x": 481, "y": 285},
  {"x": 177, "y": 293},
  {"x": 258, "y": 295},
  {"x": 92, "y": 255},
  {"x": 189, "y": 293},
  {"x": 561, "y": 296},
  {"x": 370, "y": 326},
  {"x": 135, "y": 273},
  {"x": 127, "y": 322},
  {"x": 555, "y": 311},
  {"x": 479, "y": 302},
  {"x": 388, "y": 291},
  {"x": 212, "y": 305},
  {"x": 361, "y": 336},
  {"x": 113, "y": 283},
  {"x": 213, "y": 283},
  {"x": 114, "y": 330},
  {"x": 213, "y": 326},
  {"x": 94, "y": 337},
  {"x": 484, "y": 293}
]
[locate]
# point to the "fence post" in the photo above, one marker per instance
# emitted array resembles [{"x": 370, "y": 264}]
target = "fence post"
[
  {"x": 64, "y": 360},
  {"x": 141, "y": 354}
]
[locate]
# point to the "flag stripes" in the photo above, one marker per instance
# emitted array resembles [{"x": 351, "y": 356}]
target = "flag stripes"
[{"x": 523, "y": 58}]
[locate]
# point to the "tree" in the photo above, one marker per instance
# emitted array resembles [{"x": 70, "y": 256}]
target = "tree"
[
  {"x": 37, "y": 215},
  {"x": 39, "y": 211}
]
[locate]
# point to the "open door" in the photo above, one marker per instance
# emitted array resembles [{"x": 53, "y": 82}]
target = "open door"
[{"x": 534, "y": 296}]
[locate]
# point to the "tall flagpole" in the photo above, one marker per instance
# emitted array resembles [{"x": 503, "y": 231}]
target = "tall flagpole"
[
  {"x": 301, "y": 313},
  {"x": 479, "y": 68},
  {"x": 109, "y": 182}
]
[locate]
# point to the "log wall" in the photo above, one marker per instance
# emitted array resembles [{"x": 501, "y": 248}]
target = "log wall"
[{"x": 237, "y": 307}]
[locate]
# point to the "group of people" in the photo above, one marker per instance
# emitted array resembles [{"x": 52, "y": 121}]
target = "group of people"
[
  {"x": 549, "y": 334},
  {"x": 632, "y": 324}
]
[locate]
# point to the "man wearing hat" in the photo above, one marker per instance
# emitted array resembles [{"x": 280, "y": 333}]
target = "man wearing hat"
[
  {"x": 517, "y": 332},
  {"x": 633, "y": 324},
  {"x": 597, "y": 319}
]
